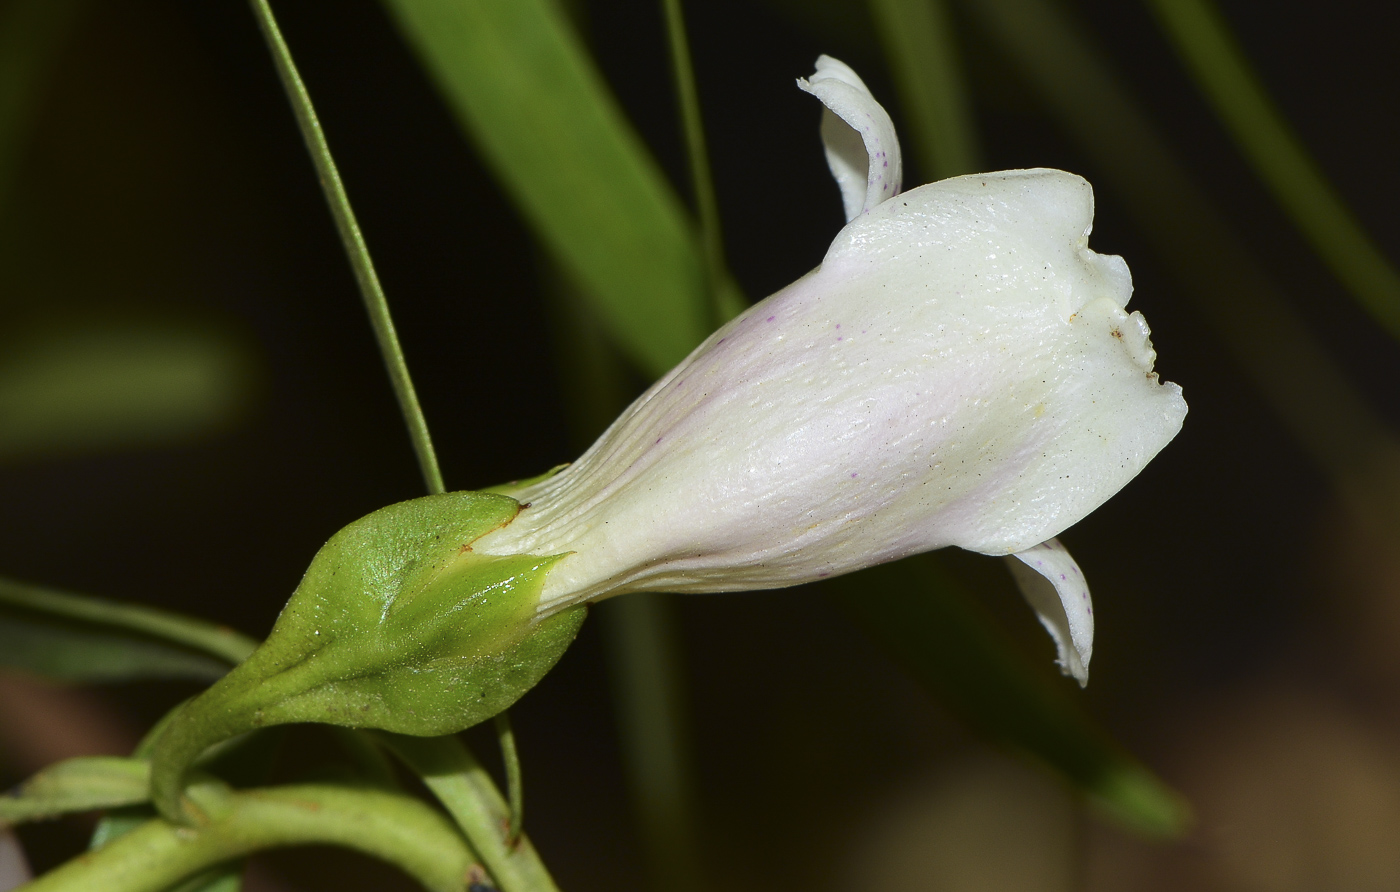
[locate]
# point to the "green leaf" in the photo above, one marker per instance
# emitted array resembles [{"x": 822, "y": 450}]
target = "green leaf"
[
  {"x": 932, "y": 627},
  {"x": 395, "y": 827},
  {"x": 918, "y": 39},
  {"x": 397, "y": 625},
  {"x": 83, "y": 784},
  {"x": 78, "y": 652},
  {"x": 84, "y": 389},
  {"x": 466, "y": 790},
  {"x": 77, "y": 638},
  {"x": 538, "y": 109}
]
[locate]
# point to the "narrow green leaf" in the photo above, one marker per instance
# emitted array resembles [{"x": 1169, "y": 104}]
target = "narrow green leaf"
[
  {"x": 83, "y": 784},
  {"x": 527, "y": 93},
  {"x": 919, "y": 43},
  {"x": 466, "y": 790},
  {"x": 68, "y": 651},
  {"x": 1210, "y": 53},
  {"x": 645, "y": 663},
  {"x": 353, "y": 239},
  {"x": 101, "y": 622},
  {"x": 726, "y": 301},
  {"x": 85, "y": 389},
  {"x": 932, "y": 626},
  {"x": 395, "y": 827}
]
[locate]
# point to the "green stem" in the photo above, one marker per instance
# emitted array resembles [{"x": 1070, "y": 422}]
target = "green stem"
[
  {"x": 467, "y": 792},
  {"x": 918, "y": 39},
  {"x": 353, "y": 239},
  {"x": 396, "y": 828},
  {"x": 702, "y": 182},
  {"x": 505, "y": 735},
  {"x": 648, "y": 688},
  {"x": 216, "y": 641},
  {"x": 1203, "y": 40}
]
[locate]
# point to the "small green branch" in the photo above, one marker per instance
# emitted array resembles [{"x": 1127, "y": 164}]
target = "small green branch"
[
  {"x": 355, "y": 248},
  {"x": 396, "y": 828},
  {"x": 723, "y": 296},
  {"x": 467, "y": 792},
  {"x": 648, "y": 688},
  {"x": 208, "y": 638},
  {"x": 505, "y": 735},
  {"x": 1210, "y": 53}
]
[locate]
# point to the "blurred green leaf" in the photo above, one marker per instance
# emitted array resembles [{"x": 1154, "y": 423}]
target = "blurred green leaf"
[
  {"x": 1210, "y": 53},
  {"x": 97, "y": 388},
  {"x": 526, "y": 91},
  {"x": 921, "y": 48},
  {"x": 76, "y": 638},
  {"x": 83, "y": 784},
  {"x": 932, "y": 626},
  {"x": 31, "y": 33}
]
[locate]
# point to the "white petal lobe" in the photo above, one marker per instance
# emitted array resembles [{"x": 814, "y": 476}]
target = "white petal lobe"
[
  {"x": 862, "y": 149},
  {"x": 959, "y": 371},
  {"x": 1053, "y": 585}
]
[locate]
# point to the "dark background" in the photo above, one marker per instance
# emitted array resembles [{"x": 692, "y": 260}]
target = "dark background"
[{"x": 164, "y": 178}]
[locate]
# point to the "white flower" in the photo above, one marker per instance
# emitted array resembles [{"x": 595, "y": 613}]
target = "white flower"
[{"x": 958, "y": 371}]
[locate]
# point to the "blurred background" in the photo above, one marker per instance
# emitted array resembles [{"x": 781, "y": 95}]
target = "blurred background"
[{"x": 191, "y": 402}]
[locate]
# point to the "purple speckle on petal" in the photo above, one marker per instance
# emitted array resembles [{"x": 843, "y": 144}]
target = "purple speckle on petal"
[
  {"x": 771, "y": 318},
  {"x": 853, "y": 473},
  {"x": 658, "y": 440},
  {"x": 1062, "y": 576},
  {"x": 838, "y": 340},
  {"x": 886, "y": 164},
  {"x": 823, "y": 575},
  {"x": 838, "y": 325}
]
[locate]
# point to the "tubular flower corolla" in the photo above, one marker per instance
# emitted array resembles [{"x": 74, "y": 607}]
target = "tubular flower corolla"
[{"x": 960, "y": 370}]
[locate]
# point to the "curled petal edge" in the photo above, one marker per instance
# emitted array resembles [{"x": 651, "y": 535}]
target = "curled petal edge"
[
  {"x": 862, "y": 148},
  {"x": 1052, "y": 583}
]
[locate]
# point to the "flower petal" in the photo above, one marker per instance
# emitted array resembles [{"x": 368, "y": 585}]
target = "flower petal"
[
  {"x": 14, "y": 868},
  {"x": 959, "y": 371},
  {"x": 862, "y": 149},
  {"x": 1052, "y": 583}
]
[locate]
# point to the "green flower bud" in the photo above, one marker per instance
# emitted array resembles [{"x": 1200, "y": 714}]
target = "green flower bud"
[{"x": 397, "y": 625}]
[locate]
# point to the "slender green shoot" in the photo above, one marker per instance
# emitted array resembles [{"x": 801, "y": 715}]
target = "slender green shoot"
[
  {"x": 515, "y": 787},
  {"x": 394, "y": 827},
  {"x": 217, "y": 641},
  {"x": 1202, "y": 39},
  {"x": 465, "y": 789},
  {"x": 355, "y": 247},
  {"x": 649, "y": 693},
  {"x": 920, "y": 44},
  {"x": 702, "y": 184}
]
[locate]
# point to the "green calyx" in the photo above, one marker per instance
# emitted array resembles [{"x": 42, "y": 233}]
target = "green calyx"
[{"x": 398, "y": 626}]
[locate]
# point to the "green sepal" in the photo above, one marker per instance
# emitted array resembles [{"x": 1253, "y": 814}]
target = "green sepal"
[{"x": 398, "y": 625}]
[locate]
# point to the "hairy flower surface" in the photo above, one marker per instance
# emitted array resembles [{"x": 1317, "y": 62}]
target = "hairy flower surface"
[{"x": 960, "y": 370}]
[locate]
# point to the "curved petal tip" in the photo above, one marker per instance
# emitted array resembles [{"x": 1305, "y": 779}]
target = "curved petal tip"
[{"x": 1054, "y": 586}]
